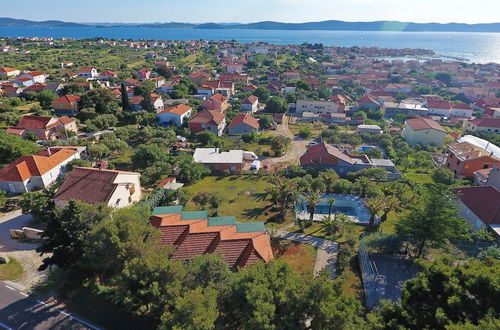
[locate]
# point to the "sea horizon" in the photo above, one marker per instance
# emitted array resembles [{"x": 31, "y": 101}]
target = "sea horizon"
[{"x": 472, "y": 47}]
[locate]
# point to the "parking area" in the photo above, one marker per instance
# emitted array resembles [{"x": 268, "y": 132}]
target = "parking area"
[{"x": 22, "y": 250}]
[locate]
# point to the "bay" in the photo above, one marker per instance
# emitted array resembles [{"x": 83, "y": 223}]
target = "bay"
[{"x": 471, "y": 47}]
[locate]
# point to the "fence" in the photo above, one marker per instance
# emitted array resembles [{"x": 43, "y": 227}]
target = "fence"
[
  {"x": 404, "y": 245},
  {"x": 368, "y": 274}
]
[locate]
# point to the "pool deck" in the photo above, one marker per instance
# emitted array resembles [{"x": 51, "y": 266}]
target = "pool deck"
[{"x": 362, "y": 217}]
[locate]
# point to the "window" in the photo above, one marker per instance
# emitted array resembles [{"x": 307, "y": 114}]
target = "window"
[
  {"x": 485, "y": 166},
  {"x": 458, "y": 162}
]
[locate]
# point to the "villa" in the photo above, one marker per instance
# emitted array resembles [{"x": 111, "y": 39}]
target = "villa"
[
  {"x": 195, "y": 233},
  {"x": 323, "y": 155}
]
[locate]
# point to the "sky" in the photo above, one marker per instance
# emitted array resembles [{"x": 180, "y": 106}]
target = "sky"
[{"x": 244, "y": 11}]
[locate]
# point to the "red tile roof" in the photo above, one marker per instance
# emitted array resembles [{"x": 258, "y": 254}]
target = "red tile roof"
[
  {"x": 195, "y": 237},
  {"x": 422, "y": 123},
  {"x": 250, "y": 99},
  {"x": 67, "y": 99},
  {"x": 38, "y": 164},
  {"x": 208, "y": 117},
  {"x": 246, "y": 119},
  {"x": 486, "y": 122},
  {"x": 89, "y": 185},
  {"x": 483, "y": 201},
  {"x": 178, "y": 109}
]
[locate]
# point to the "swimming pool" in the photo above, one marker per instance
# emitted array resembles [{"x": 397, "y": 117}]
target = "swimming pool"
[
  {"x": 350, "y": 205},
  {"x": 363, "y": 148}
]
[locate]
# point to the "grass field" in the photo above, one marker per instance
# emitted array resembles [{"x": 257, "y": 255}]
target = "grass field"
[
  {"x": 419, "y": 178},
  {"x": 11, "y": 271},
  {"x": 244, "y": 197},
  {"x": 301, "y": 257}
]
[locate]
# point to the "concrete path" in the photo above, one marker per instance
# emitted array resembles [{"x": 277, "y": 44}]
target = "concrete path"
[{"x": 327, "y": 250}]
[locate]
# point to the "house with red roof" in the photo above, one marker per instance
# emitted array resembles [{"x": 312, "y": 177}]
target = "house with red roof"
[
  {"x": 176, "y": 115},
  {"x": 100, "y": 186},
  {"x": 243, "y": 123},
  {"x": 88, "y": 72},
  {"x": 216, "y": 102},
  {"x": 195, "y": 233},
  {"x": 208, "y": 120},
  {"x": 464, "y": 158},
  {"x": 448, "y": 108},
  {"x": 486, "y": 125},
  {"x": 143, "y": 74},
  {"x": 107, "y": 75},
  {"x": 66, "y": 105},
  {"x": 38, "y": 171},
  {"x": 23, "y": 81},
  {"x": 6, "y": 72},
  {"x": 250, "y": 104},
  {"x": 45, "y": 128},
  {"x": 424, "y": 131},
  {"x": 291, "y": 75},
  {"x": 323, "y": 155},
  {"x": 34, "y": 76},
  {"x": 35, "y": 88},
  {"x": 199, "y": 78},
  {"x": 479, "y": 206}
]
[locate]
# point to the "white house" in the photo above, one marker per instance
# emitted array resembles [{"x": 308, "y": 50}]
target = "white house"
[
  {"x": 100, "y": 186},
  {"x": 6, "y": 72},
  {"x": 370, "y": 129},
  {"x": 316, "y": 107},
  {"x": 423, "y": 131},
  {"x": 88, "y": 72},
  {"x": 487, "y": 125},
  {"x": 250, "y": 104},
  {"x": 37, "y": 171},
  {"x": 174, "y": 115},
  {"x": 34, "y": 76}
]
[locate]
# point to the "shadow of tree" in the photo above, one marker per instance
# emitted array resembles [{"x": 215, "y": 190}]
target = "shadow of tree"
[
  {"x": 255, "y": 212},
  {"x": 260, "y": 196}
]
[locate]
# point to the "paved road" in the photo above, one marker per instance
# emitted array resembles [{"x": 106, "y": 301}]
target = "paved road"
[
  {"x": 20, "y": 311},
  {"x": 327, "y": 250}
]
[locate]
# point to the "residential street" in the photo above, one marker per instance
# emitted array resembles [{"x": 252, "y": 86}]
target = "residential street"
[{"x": 19, "y": 311}]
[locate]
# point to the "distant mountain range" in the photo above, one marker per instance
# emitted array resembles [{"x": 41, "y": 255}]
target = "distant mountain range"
[{"x": 270, "y": 25}]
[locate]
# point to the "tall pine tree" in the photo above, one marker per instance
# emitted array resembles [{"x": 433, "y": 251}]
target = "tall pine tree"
[{"x": 125, "y": 100}]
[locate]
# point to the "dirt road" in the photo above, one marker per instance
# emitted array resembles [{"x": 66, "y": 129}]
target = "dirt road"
[{"x": 295, "y": 150}]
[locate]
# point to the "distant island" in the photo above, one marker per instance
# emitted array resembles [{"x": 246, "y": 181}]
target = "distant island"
[{"x": 271, "y": 25}]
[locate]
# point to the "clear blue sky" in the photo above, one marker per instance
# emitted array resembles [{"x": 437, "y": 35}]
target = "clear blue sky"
[{"x": 196, "y": 11}]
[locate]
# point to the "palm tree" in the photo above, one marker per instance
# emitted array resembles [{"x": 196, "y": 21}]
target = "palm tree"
[
  {"x": 329, "y": 225},
  {"x": 363, "y": 183},
  {"x": 344, "y": 223},
  {"x": 331, "y": 201},
  {"x": 391, "y": 203},
  {"x": 312, "y": 199},
  {"x": 374, "y": 206},
  {"x": 282, "y": 191}
]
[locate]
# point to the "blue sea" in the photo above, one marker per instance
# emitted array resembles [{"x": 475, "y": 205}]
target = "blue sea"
[{"x": 472, "y": 47}]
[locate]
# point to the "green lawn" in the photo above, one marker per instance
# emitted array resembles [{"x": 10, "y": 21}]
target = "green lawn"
[
  {"x": 11, "y": 271},
  {"x": 419, "y": 178},
  {"x": 244, "y": 197},
  {"x": 301, "y": 257}
]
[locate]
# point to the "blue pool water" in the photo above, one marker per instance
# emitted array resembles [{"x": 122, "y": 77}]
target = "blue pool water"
[
  {"x": 347, "y": 210},
  {"x": 363, "y": 148}
]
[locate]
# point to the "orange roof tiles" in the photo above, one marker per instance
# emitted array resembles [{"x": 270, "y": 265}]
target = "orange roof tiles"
[
  {"x": 195, "y": 237},
  {"x": 178, "y": 109},
  {"x": 35, "y": 165}
]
